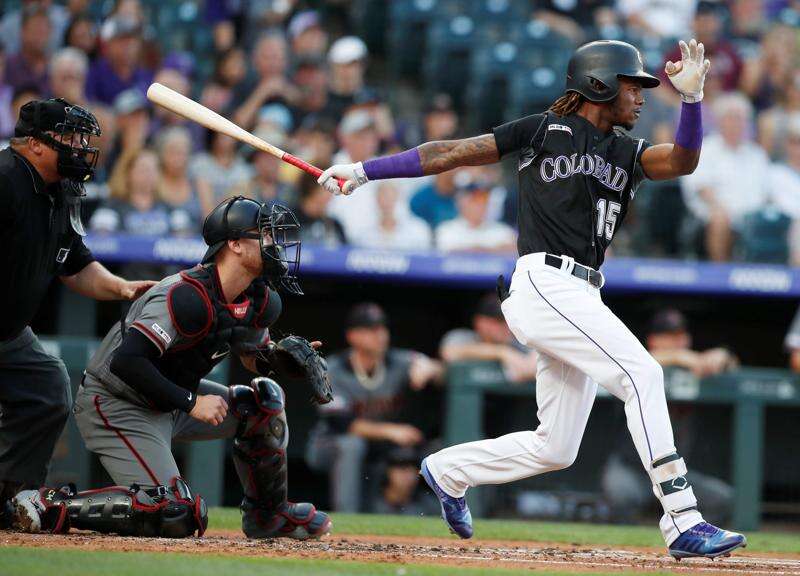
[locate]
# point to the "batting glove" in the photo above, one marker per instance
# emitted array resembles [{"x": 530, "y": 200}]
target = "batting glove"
[
  {"x": 689, "y": 75},
  {"x": 353, "y": 174}
]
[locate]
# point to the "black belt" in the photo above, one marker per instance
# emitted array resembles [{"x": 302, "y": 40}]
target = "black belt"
[{"x": 591, "y": 275}]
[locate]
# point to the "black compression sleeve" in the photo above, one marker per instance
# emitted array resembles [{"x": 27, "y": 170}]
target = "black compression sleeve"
[{"x": 133, "y": 364}]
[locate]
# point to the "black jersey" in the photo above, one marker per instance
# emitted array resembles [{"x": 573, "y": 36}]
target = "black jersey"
[{"x": 575, "y": 183}]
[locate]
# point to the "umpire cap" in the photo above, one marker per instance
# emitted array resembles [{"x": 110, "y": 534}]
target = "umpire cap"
[
  {"x": 228, "y": 221},
  {"x": 595, "y": 68}
]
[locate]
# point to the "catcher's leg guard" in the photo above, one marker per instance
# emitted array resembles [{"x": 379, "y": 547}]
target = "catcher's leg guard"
[
  {"x": 7, "y": 491},
  {"x": 165, "y": 511},
  {"x": 259, "y": 454}
]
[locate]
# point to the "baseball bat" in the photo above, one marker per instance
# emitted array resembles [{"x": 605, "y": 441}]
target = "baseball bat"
[{"x": 196, "y": 112}]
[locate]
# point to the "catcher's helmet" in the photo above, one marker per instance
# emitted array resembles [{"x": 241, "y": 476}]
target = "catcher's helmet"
[
  {"x": 275, "y": 227},
  {"x": 595, "y": 69}
]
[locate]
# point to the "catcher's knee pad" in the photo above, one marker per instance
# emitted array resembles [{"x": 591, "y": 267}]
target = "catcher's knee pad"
[
  {"x": 166, "y": 511},
  {"x": 259, "y": 448}
]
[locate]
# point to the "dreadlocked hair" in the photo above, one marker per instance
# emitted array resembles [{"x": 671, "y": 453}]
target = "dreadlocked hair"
[{"x": 567, "y": 104}]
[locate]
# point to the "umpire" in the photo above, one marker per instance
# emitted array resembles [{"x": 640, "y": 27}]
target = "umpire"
[{"x": 41, "y": 184}]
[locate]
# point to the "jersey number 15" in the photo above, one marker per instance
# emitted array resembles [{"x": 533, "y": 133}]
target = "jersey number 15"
[{"x": 607, "y": 213}]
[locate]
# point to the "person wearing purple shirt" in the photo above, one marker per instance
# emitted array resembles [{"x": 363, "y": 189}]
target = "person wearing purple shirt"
[
  {"x": 28, "y": 67},
  {"x": 118, "y": 69}
]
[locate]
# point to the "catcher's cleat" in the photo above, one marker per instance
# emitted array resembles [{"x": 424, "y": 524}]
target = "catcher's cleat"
[
  {"x": 455, "y": 511},
  {"x": 705, "y": 540},
  {"x": 300, "y": 521}
]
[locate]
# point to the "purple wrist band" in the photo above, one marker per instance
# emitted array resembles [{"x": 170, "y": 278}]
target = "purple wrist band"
[
  {"x": 690, "y": 126},
  {"x": 403, "y": 165}
]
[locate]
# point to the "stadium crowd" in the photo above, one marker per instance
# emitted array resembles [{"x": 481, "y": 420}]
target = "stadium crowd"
[{"x": 296, "y": 74}]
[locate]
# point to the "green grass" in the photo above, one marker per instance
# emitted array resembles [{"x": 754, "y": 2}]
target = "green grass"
[
  {"x": 16, "y": 561},
  {"x": 562, "y": 532}
]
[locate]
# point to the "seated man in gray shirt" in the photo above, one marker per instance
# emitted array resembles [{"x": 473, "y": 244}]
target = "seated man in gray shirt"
[
  {"x": 490, "y": 339},
  {"x": 371, "y": 383}
]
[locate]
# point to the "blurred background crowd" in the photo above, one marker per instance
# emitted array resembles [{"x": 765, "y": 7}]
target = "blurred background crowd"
[
  {"x": 340, "y": 81},
  {"x": 335, "y": 81}
]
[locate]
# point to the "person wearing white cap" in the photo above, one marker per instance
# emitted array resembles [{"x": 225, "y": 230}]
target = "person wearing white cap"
[{"x": 347, "y": 58}]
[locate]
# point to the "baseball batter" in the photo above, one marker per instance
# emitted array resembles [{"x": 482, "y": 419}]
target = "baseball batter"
[
  {"x": 144, "y": 387},
  {"x": 577, "y": 176}
]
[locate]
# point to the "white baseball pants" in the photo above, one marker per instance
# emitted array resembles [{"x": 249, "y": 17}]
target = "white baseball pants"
[{"x": 581, "y": 344}]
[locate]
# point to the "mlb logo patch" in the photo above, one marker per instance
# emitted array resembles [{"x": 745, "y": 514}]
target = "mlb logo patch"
[
  {"x": 560, "y": 127},
  {"x": 161, "y": 332},
  {"x": 61, "y": 257}
]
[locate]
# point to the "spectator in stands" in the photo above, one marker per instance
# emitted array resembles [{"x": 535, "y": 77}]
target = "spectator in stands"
[
  {"x": 28, "y": 67},
  {"x": 229, "y": 70},
  {"x": 748, "y": 22},
  {"x": 730, "y": 180},
  {"x": 435, "y": 202},
  {"x": 359, "y": 140},
  {"x": 57, "y": 15},
  {"x": 772, "y": 123},
  {"x": 576, "y": 19},
  {"x": 670, "y": 343},
  {"x": 396, "y": 228},
  {"x": 132, "y": 118},
  {"x": 347, "y": 58},
  {"x": 176, "y": 79},
  {"x": 372, "y": 383},
  {"x": 316, "y": 227},
  {"x": 314, "y": 142},
  {"x": 708, "y": 23},
  {"x": 269, "y": 84},
  {"x": 657, "y": 18},
  {"x": 784, "y": 184},
  {"x": 440, "y": 121},
  {"x": 491, "y": 340},
  {"x": 472, "y": 231},
  {"x": 7, "y": 121},
  {"x": 134, "y": 206},
  {"x": 175, "y": 188},
  {"x": 307, "y": 36},
  {"x": 265, "y": 184},
  {"x": 769, "y": 71},
  {"x": 68, "y": 70},
  {"x": 119, "y": 68},
  {"x": 220, "y": 173},
  {"x": 311, "y": 79},
  {"x": 792, "y": 343},
  {"x": 82, "y": 35}
]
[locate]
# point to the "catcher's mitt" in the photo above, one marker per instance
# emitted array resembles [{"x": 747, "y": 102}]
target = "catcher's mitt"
[{"x": 294, "y": 357}]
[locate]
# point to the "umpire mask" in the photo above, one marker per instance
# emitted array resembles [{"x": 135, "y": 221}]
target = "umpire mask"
[{"x": 65, "y": 128}]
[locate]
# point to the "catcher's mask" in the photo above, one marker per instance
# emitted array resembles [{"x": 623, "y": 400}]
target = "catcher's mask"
[
  {"x": 67, "y": 129},
  {"x": 275, "y": 227}
]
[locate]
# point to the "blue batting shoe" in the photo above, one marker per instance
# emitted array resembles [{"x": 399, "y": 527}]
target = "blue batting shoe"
[
  {"x": 454, "y": 510},
  {"x": 705, "y": 540}
]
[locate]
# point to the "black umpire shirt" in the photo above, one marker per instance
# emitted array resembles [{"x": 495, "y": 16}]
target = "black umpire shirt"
[
  {"x": 575, "y": 183},
  {"x": 37, "y": 241}
]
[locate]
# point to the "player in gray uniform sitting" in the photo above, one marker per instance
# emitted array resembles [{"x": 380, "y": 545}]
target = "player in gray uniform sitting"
[{"x": 144, "y": 387}]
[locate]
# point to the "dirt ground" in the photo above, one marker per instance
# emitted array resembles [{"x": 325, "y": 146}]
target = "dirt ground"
[{"x": 409, "y": 550}]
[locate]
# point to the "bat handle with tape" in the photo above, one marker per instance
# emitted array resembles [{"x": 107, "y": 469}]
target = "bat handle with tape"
[{"x": 305, "y": 166}]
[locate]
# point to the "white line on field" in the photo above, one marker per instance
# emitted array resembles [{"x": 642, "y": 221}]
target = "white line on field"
[{"x": 613, "y": 563}]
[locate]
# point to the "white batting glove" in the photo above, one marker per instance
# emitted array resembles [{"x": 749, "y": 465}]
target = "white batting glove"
[
  {"x": 353, "y": 174},
  {"x": 689, "y": 75}
]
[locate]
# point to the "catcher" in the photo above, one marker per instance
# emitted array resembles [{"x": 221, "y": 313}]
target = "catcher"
[{"x": 144, "y": 388}]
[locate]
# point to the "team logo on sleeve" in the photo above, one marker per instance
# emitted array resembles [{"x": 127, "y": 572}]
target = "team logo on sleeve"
[
  {"x": 161, "y": 332},
  {"x": 61, "y": 257},
  {"x": 560, "y": 127}
]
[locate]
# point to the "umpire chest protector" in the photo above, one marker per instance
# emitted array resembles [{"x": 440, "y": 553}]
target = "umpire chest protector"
[
  {"x": 575, "y": 186},
  {"x": 211, "y": 328}
]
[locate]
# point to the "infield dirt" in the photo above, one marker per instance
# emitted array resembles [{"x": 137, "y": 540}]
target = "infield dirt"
[{"x": 517, "y": 555}]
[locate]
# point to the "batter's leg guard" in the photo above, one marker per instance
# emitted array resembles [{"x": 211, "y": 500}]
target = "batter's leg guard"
[
  {"x": 673, "y": 490},
  {"x": 165, "y": 511},
  {"x": 259, "y": 455}
]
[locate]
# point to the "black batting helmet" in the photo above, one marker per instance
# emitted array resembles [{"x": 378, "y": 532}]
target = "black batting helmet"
[
  {"x": 275, "y": 227},
  {"x": 595, "y": 69}
]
